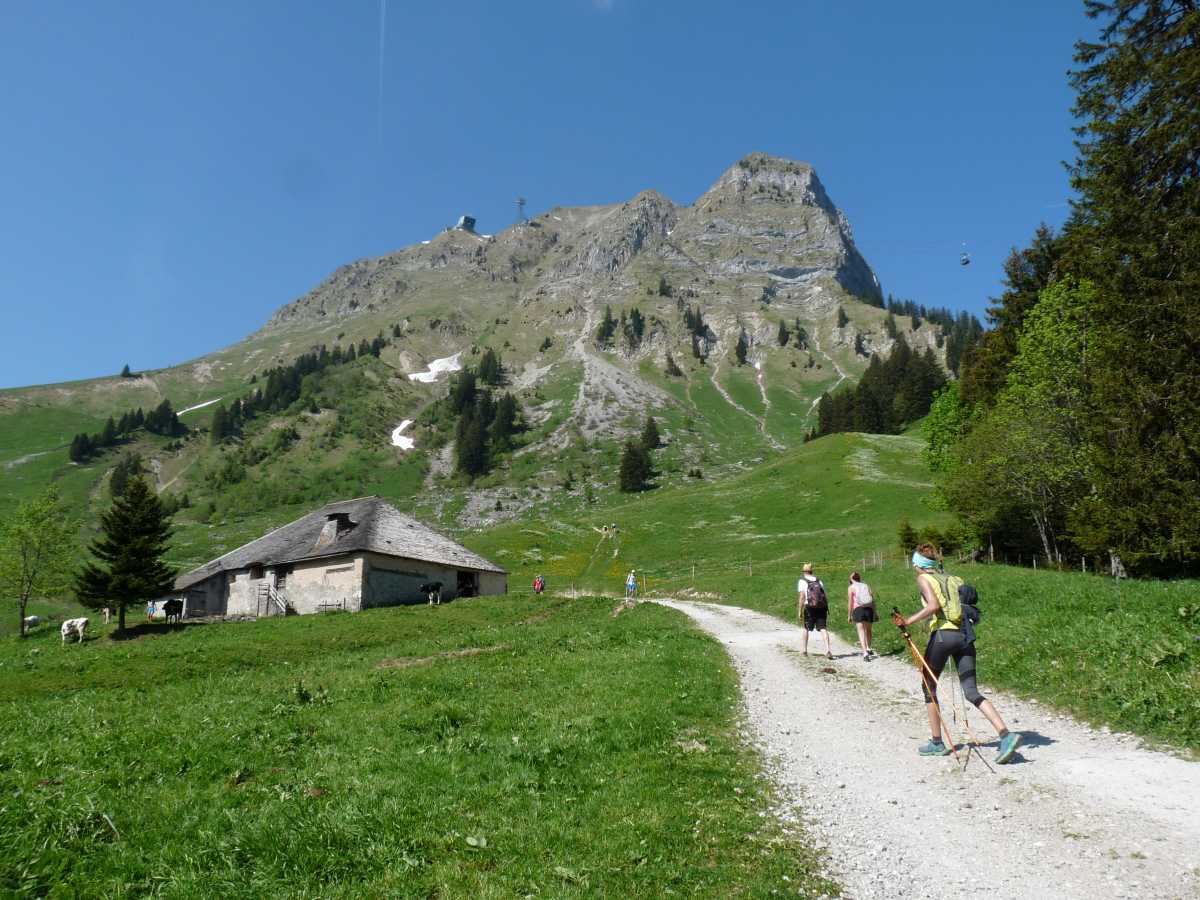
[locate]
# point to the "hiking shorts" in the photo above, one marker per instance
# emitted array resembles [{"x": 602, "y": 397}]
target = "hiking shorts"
[
  {"x": 815, "y": 617},
  {"x": 864, "y": 614},
  {"x": 944, "y": 645}
]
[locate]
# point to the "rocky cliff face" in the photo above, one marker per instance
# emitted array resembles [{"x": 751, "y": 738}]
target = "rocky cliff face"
[
  {"x": 771, "y": 216},
  {"x": 765, "y": 219}
]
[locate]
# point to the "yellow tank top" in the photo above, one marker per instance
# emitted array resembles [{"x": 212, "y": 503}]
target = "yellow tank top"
[{"x": 941, "y": 586}]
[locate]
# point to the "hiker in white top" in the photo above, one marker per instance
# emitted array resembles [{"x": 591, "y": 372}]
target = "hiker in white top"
[
  {"x": 860, "y": 611},
  {"x": 813, "y": 607}
]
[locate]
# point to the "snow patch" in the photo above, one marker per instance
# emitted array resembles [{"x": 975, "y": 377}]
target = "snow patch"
[
  {"x": 198, "y": 406},
  {"x": 436, "y": 368},
  {"x": 398, "y": 438}
]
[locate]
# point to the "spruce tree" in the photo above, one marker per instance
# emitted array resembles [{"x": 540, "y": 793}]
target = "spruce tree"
[
  {"x": 218, "y": 430},
  {"x": 504, "y": 424},
  {"x": 1135, "y": 234},
  {"x": 651, "y": 439},
  {"x": 672, "y": 368},
  {"x": 842, "y": 319},
  {"x": 125, "y": 373},
  {"x": 128, "y": 569},
  {"x": 108, "y": 436},
  {"x": 784, "y": 334},
  {"x": 635, "y": 469},
  {"x": 741, "y": 347}
]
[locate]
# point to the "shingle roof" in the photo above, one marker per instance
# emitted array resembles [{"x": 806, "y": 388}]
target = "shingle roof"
[{"x": 378, "y": 527}]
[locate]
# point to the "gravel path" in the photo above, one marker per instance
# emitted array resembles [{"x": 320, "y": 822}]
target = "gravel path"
[{"x": 1078, "y": 813}]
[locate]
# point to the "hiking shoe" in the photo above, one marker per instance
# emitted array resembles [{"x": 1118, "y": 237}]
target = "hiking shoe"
[
  {"x": 1008, "y": 746},
  {"x": 871, "y": 654},
  {"x": 829, "y": 656},
  {"x": 934, "y": 748}
]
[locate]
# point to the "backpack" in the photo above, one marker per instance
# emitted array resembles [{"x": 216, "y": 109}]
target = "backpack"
[
  {"x": 814, "y": 595},
  {"x": 862, "y": 595},
  {"x": 947, "y": 594}
]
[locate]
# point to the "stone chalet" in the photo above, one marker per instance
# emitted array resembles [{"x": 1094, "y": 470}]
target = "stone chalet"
[{"x": 351, "y": 555}]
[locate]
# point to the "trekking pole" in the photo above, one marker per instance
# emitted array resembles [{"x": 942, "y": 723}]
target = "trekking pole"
[
  {"x": 970, "y": 730},
  {"x": 919, "y": 659}
]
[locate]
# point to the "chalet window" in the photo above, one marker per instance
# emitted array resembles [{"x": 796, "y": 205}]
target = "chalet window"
[{"x": 256, "y": 572}]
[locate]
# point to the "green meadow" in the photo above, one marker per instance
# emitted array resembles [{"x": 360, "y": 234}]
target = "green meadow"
[
  {"x": 1125, "y": 654},
  {"x": 495, "y": 747}
]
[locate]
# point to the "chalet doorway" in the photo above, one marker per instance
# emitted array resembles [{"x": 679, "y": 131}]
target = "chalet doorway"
[{"x": 468, "y": 584}]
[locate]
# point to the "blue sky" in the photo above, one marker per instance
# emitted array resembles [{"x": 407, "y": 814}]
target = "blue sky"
[{"x": 173, "y": 172}]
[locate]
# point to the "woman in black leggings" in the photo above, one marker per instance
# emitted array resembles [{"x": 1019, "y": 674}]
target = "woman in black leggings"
[{"x": 947, "y": 641}]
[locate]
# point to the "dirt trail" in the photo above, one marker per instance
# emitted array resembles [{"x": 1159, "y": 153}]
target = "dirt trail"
[{"x": 1078, "y": 813}]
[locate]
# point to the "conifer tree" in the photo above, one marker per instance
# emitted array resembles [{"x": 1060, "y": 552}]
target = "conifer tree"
[
  {"x": 125, "y": 373},
  {"x": 218, "y": 431},
  {"x": 1134, "y": 234},
  {"x": 491, "y": 370},
  {"x": 470, "y": 446},
  {"x": 784, "y": 334},
  {"x": 504, "y": 424},
  {"x": 128, "y": 569},
  {"x": 651, "y": 439},
  {"x": 672, "y": 368},
  {"x": 108, "y": 436},
  {"x": 741, "y": 347},
  {"x": 842, "y": 319},
  {"x": 635, "y": 469},
  {"x": 80, "y": 449}
]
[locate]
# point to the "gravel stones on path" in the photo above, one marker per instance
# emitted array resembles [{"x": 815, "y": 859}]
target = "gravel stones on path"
[{"x": 1078, "y": 813}]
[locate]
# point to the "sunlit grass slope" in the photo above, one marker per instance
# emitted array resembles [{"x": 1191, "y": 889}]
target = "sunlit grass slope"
[
  {"x": 495, "y": 747},
  {"x": 1122, "y": 654},
  {"x": 830, "y": 502}
]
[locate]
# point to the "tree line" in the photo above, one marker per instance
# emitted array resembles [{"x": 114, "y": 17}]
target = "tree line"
[
  {"x": 1073, "y": 431},
  {"x": 285, "y": 385},
  {"x": 161, "y": 420},
  {"x": 892, "y": 393}
]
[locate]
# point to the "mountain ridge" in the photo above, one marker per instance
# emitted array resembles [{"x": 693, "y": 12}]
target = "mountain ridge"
[{"x": 762, "y": 253}]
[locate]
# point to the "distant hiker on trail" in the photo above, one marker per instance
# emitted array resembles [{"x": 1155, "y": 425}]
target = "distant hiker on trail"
[
  {"x": 860, "y": 610},
  {"x": 631, "y": 585},
  {"x": 151, "y": 611},
  {"x": 947, "y": 640},
  {"x": 814, "y": 607},
  {"x": 539, "y": 584}
]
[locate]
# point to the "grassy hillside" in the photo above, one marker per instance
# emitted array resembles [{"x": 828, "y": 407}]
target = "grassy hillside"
[
  {"x": 1118, "y": 654},
  {"x": 490, "y": 748}
]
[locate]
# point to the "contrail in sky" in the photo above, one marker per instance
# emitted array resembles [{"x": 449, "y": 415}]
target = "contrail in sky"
[{"x": 382, "y": 54}]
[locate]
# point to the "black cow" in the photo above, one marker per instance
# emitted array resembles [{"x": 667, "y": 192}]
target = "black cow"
[
  {"x": 432, "y": 591},
  {"x": 173, "y": 610}
]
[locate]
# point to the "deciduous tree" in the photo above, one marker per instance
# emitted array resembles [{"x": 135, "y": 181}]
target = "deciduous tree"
[{"x": 36, "y": 545}]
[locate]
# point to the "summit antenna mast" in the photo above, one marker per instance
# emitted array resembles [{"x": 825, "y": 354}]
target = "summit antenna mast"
[{"x": 521, "y": 211}]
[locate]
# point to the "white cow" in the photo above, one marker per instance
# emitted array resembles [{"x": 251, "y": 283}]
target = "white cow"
[
  {"x": 75, "y": 627},
  {"x": 32, "y": 621}
]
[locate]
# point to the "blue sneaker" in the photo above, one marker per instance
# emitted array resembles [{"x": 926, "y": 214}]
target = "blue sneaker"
[
  {"x": 934, "y": 748},
  {"x": 1008, "y": 746}
]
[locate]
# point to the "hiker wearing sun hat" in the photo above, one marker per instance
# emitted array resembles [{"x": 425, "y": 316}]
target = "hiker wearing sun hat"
[{"x": 939, "y": 593}]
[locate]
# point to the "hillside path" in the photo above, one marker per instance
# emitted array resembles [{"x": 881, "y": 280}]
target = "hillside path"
[{"x": 1077, "y": 813}]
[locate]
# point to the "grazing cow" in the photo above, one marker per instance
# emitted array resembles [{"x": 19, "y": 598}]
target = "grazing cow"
[
  {"x": 75, "y": 627},
  {"x": 433, "y": 592},
  {"x": 32, "y": 621},
  {"x": 173, "y": 610}
]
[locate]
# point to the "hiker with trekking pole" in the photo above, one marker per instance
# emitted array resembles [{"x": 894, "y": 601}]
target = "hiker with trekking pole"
[{"x": 952, "y": 636}]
